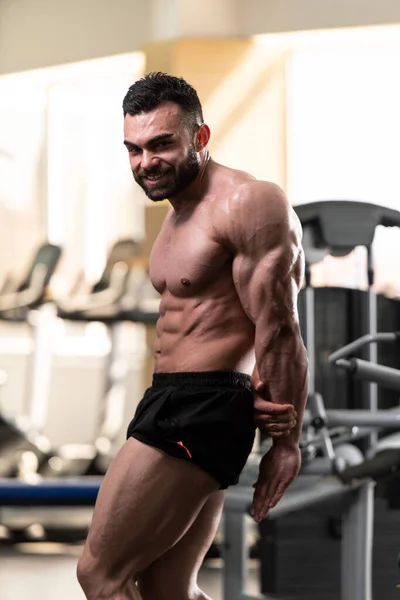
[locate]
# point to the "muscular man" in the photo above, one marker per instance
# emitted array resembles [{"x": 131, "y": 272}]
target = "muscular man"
[{"x": 228, "y": 265}]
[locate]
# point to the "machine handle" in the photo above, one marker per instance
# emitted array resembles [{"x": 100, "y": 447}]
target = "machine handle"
[
  {"x": 362, "y": 369},
  {"x": 363, "y": 341},
  {"x": 384, "y": 464}
]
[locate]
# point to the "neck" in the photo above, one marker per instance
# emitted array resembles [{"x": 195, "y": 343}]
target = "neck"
[{"x": 195, "y": 191}]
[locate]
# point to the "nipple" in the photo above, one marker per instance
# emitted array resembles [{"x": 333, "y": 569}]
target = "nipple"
[{"x": 185, "y": 281}]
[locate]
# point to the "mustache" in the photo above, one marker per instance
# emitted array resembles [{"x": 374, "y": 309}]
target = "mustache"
[{"x": 155, "y": 172}]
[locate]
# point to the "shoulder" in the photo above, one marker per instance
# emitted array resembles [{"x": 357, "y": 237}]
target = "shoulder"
[
  {"x": 264, "y": 198},
  {"x": 260, "y": 209}
]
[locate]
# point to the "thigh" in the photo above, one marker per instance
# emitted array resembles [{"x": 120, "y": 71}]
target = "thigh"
[
  {"x": 175, "y": 572},
  {"x": 146, "y": 503}
]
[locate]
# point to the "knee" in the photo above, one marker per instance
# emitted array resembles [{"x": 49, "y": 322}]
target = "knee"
[
  {"x": 87, "y": 576},
  {"x": 94, "y": 580},
  {"x": 103, "y": 580}
]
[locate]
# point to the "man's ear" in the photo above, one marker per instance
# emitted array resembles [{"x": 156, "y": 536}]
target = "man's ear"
[{"x": 202, "y": 137}]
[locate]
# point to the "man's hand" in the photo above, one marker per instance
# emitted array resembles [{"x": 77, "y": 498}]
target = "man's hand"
[
  {"x": 278, "y": 468},
  {"x": 275, "y": 419}
]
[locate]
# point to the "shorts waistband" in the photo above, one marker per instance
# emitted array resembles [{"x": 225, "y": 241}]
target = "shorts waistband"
[{"x": 201, "y": 379}]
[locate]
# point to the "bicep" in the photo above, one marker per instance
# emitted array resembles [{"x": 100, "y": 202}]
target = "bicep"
[{"x": 265, "y": 236}]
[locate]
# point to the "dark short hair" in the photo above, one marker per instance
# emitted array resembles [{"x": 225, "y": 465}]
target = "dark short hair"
[{"x": 155, "y": 88}]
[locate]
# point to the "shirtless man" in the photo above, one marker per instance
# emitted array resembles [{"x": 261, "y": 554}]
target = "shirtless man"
[{"x": 228, "y": 265}]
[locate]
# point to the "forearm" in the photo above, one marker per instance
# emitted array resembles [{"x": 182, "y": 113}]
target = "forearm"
[{"x": 282, "y": 366}]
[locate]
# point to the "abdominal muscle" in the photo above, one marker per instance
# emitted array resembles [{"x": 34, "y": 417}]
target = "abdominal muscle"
[{"x": 203, "y": 335}]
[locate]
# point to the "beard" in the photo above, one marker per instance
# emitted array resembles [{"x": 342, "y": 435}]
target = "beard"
[{"x": 177, "y": 179}]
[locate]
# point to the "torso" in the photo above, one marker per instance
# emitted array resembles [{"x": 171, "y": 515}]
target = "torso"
[{"x": 202, "y": 325}]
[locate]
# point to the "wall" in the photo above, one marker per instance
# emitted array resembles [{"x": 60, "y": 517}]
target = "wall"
[
  {"x": 41, "y": 33},
  {"x": 266, "y": 16}
]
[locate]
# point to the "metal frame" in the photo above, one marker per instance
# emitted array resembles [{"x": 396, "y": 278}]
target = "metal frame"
[
  {"x": 356, "y": 544},
  {"x": 380, "y": 374},
  {"x": 309, "y": 333},
  {"x": 357, "y": 531},
  {"x": 320, "y": 418},
  {"x": 357, "y": 523},
  {"x": 371, "y": 401},
  {"x": 361, "y": 342}
]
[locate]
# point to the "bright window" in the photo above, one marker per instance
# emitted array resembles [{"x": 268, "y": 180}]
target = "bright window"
[{"x": 343, "y": 131}]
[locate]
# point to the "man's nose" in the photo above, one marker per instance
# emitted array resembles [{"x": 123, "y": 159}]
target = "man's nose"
[{"x": 149, "y": 160}]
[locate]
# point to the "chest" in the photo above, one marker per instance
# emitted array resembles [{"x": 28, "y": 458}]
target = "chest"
[{"x": 187, "y": 258}]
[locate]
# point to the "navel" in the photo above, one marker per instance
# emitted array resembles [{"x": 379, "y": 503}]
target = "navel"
[{"x": 185, "y": 281}]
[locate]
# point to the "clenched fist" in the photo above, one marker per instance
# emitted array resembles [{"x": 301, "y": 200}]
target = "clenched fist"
[{"x": 275, "y": 419}]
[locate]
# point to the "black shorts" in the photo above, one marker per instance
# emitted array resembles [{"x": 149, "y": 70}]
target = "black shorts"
[{"x": 205, "y": 418}]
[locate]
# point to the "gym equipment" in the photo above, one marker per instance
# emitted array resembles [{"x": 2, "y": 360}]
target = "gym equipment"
[
  {"x": 336, "y": 228},
  {"x": 50, "y": 492},
  {"x": 25, "y": 509},
  {"x": 331, "y": 227},
  {"x": 18, "y": 298},
  {"x": 21, "y": 447},
  {"x": 350, "y": 486},
  {"x": 345, "y": 359},
  {"x": 120, "y": 295},
  {"x": 115, "y": 298},
  {"x": 336, "y": 387}
]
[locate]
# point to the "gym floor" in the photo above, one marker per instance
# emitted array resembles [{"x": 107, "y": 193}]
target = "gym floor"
[{"x": 47, "y": 572}]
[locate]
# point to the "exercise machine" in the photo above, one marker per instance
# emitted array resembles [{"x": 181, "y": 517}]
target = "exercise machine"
[
  {"x": 334, "y": 468},
  {"x": 22, "y": 448},
  {"x": 115, "y": 299},
  {"x": 66, "y": 475}
]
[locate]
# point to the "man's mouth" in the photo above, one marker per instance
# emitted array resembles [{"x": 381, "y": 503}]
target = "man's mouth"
[{"x": 155, "y": 178}]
